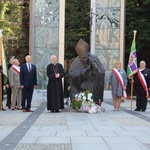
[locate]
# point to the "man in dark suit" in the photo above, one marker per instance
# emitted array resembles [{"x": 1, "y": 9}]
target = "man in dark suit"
[
  {"x": 28, "y": 81},
  {"x": 142, "y": 86}
]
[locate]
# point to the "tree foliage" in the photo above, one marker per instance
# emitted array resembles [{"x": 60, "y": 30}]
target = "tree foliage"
[
  {"x": 77, "y": 26},
  {"x": 14, "y": 20},
  {"x": 138, "y": 18}
]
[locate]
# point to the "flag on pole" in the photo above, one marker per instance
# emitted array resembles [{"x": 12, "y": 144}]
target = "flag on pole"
[
  {"x": 132, "y": 63},
  {"x": 4, "y": 66}
]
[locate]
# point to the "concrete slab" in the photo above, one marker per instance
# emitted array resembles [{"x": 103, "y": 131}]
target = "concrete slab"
[{"x": 109, "y": 130}]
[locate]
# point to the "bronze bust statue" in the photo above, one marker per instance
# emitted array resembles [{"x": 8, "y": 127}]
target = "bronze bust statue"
[{"x": 86, "y": 73}]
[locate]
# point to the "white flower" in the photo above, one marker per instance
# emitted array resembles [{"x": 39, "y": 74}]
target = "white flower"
[
  {"x": 82, "y": 94},
  {"x": 91, "y": 100},
  {"x": 79, "y": 96},
  {"x": 84, "y": 98},
  {"x": 89, "y": 94},
  {"x": 90, "y": 111},
  {"x": 76, "y": 95},
  {"x": 93, "y": 108}
]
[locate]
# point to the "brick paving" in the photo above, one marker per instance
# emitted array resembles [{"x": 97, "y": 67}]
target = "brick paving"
[
  {"x": 10, "y": 141},
  {"x": 68, "y": 130},
  {"x": 44, "y": 147}
]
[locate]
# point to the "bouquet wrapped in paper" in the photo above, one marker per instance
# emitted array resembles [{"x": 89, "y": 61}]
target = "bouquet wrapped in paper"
[{"x": 83, "y": 102}]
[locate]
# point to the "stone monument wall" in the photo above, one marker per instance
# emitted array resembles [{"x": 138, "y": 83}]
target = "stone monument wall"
[
  {"x": 46, "y": 34},
  {"x": 107, "y": 32}
]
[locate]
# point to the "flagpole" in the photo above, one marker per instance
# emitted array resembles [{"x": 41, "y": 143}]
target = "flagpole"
[
  {"x": 1, "y": 84},
  {"x": 132, "y": 81},
  {"x": 131, "y": 91}
]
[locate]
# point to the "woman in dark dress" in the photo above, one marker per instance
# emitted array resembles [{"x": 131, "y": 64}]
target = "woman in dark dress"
[{"x": 55, "y": 96}]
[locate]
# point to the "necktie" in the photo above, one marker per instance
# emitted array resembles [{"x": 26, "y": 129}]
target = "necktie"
[{"x": 29, "y": 68}]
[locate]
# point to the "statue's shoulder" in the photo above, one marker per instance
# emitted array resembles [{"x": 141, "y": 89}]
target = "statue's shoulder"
[
  {"x": 96, "y": 60},
  {"x": 76, "y": 63},
  {"x": 93, "y": 57}
]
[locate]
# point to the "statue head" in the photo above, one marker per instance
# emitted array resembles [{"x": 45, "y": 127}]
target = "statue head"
[{"x": 82, "y": 49}]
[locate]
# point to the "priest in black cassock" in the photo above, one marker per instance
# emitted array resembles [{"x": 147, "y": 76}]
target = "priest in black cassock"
[{"x": 55, "y": 96}]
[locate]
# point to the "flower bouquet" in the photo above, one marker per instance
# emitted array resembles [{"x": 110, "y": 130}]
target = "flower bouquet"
[
  {"x": 83, "y": 102},
  {"x": 76, "y": 104}
]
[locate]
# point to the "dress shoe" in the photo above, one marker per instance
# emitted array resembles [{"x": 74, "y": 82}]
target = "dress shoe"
[
  {"x": 29, "y": 110},
  {"x": 136, "y": 109},
  {"x": 18, "y": 108},
  {"x": 23, "y": 110},
  {"x": 12, "y": 109},
  {"x": 52, "y": 110},
  {"x": 143, "y": 110},
  {"x": 3, "y": 109}
]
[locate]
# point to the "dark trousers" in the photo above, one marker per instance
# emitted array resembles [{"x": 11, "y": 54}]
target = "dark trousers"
[
  {"x": 8, "y": 92},
  {"x": 141, "y": 100},
  {"x": 27, "y": 93}
]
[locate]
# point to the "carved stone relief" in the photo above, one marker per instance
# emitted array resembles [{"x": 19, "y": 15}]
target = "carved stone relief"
[
  {"x": 107, "y": 33},
  {"x": 46, "y": 36}
]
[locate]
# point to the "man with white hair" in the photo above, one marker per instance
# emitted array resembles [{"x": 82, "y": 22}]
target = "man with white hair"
[
  {"x": 28, "y": 81},
  {"x": 142, "y": 86},
  {"x": 55, "y": 73}
]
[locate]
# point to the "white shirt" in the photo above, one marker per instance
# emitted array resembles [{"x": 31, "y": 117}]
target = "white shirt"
[{"x": 29, "y": 68}]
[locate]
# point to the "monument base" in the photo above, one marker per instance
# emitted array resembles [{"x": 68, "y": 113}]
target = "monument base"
[{"x": 41, "y": 95}]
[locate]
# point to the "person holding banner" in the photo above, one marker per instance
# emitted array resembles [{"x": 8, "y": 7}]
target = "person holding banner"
[
  {"x": 142, "y": 86},
  {"x": 117, "y": 84}
]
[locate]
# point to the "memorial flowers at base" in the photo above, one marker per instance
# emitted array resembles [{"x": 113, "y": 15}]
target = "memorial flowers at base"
[{"x": 83, "y": 102}]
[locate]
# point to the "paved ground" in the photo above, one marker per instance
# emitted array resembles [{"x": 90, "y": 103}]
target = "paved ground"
[{"x": 68, "y": 130}]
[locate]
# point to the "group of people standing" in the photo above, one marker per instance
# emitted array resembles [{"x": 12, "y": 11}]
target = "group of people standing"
[
  {"x": 118, "y": 83},
  {"x": 23, "y": 80}
]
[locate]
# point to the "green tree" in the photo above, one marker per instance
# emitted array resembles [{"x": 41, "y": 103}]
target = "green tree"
[
  {"x": 138, "y": 18},
  {"x": 15, "y": 21},
  {"x": 76, "y": 24}
]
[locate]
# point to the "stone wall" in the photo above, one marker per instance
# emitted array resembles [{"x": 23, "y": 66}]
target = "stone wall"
[
  {"x": 45, "y": 35},
  {"x": 108, "y": 18}
]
